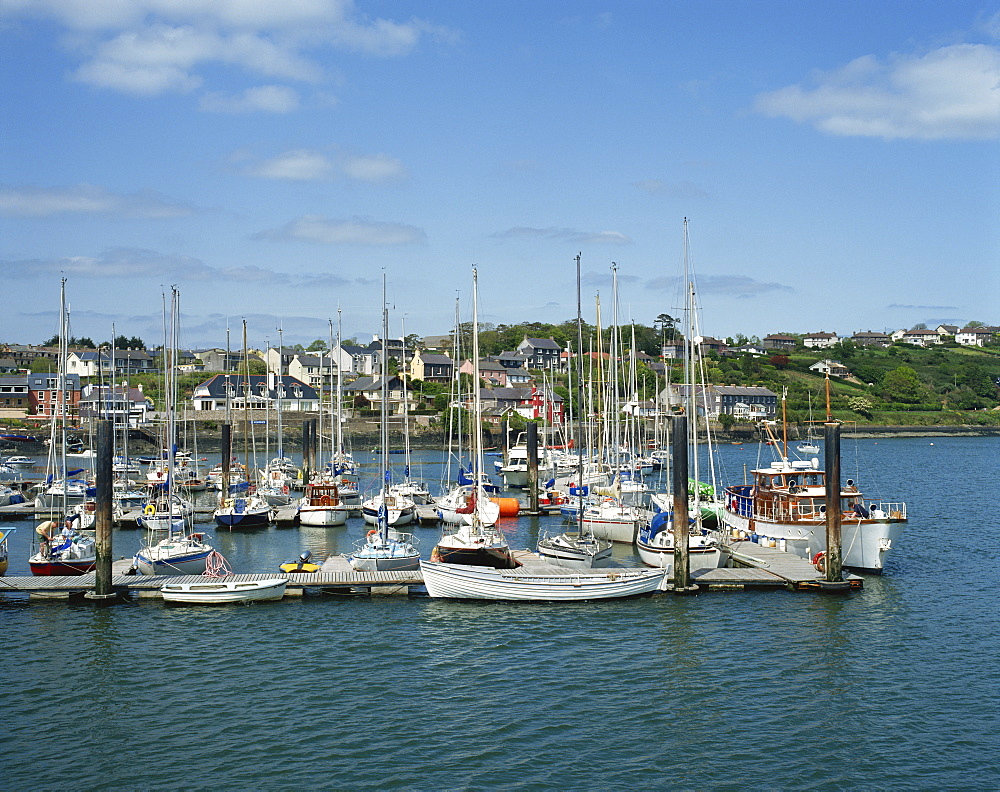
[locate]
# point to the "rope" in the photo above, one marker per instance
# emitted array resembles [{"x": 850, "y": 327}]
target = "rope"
[{"x": 217, "y": 566}]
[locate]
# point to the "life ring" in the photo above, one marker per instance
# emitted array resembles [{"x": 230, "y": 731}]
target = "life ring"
[
  {"x": 325, "y": 501},
  {"x": 819, "y": 561},
  {"x": 149, "y": 510},
  {"x": 372, "y": 532}
]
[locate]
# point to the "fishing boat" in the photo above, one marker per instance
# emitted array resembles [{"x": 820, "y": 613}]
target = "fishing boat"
[
  {"x": 460, "y": 581},
  {"x": 383, "y": 550},
  {"x": 322, "y": 505},
  {"x": 477, "y": 541},
  {"x": 71, "y": 552},
  {"x": 580, "y": 548},
  {"x": 220, "y": 592},
  {"x": 786, "y": 504}
]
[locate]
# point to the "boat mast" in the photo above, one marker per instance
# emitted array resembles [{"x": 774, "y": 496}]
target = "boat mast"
[
  {"x": 579, "y": 401},
  {"x": 383, "y": 511},
  {"x": 477, "y": 429}
]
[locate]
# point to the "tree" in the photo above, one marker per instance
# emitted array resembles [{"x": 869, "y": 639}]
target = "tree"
[
  {"x": 779, "y": 361},
  {"x": 319, "y": 345},
  {"x": 43, "y": 366},
  {"x": 903, "y": 385}
]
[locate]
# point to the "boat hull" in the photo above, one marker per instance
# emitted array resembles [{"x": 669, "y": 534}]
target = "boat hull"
[
  {"x": 453, "y": 581},
  {"x": 495, "y": 557},
  {"x": 572, "y": 552},
  {"x": 323, "y": 517},
  {"x": 53, "y": 567},
  {"x": 223, "y": 592},
  {"x": 865, "y": 543},
  {"x": 187, "y": 564}
]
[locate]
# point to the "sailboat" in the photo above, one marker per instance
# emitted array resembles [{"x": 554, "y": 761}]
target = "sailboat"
[
  {"x": 249, "y": 510},
  {"x": 655, "y": 540},
  {"x": 580, "y": 548},
  {"x": 382, "y": 550},
  {"x": 178, "y": 553},
  {"x": 74, "y": 551},
  {"x": 477, "y": 541},
  {"x": 809, "y": 445}
]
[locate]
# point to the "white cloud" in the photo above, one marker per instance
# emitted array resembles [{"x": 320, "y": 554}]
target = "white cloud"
[
  {"x": 150, "y": 47},
  {"x": 351, "y": 231},
  {"x": 951, "y": 92},
  {"x": 264, "y": 98},
  {"x": 85, "y": 199},
  {"x": 376, "y": 168},
  {"x": 728, "y": 285},
  {"x": 298, "y": 165},
  {"x": 566, "y": 235}
]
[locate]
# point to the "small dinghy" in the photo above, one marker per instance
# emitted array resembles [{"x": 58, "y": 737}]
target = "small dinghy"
[
  {"x": 303, "y": 566},
  {"x": 213, "y": 592}
]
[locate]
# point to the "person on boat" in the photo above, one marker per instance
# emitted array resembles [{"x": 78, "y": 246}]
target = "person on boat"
[{"x": 43, "y": 537}]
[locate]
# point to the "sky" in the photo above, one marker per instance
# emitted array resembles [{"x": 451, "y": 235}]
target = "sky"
[{"x": 837, "y": 161}]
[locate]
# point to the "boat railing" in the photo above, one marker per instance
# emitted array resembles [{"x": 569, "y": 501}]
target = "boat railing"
[{"x": 895, "y": 510}]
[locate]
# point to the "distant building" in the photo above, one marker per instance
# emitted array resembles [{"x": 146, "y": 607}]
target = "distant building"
[
  {"x": 779, "y": 341},
  {"x": 832, "y": 367},
  {"x": 870, "y": 339},
  {"x": 124, "y": 406},
  {"x": 976, "y": 336},
  {"x": 744, "y": 402},
  {"x": 540, "y": 353},
  {"x": 256, "y": 392},
  {"x": 820, "y": 340},
  {"x": 47, "y": 398},
  {"x": 431, "y": 367}
]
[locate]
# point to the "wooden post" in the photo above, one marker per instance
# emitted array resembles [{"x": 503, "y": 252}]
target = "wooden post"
[
  {"x": 532, "y": 467},
  {"x": 105, "y": 490},
  {"x": 834, "y": 559},
  {"x": 306, "y": 448},
  {"x": 682, "y": 559}
]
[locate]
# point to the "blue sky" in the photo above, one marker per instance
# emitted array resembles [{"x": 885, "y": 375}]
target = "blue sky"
[{"x": 838, "y": 162}]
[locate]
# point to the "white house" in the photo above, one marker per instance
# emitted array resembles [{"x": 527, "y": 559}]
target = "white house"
[
  {"x": 820, "y": 340},
  {"x": 976, "y": 336}
]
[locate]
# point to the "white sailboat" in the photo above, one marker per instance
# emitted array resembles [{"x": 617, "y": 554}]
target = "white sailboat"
[
  {"x": 383, "y": 550},
  {"x": 477, "y": 541},
  {"x": 580, "y": 548},
  {"x": 178, "y": 553},
  {"x": 655, "y": 540}
]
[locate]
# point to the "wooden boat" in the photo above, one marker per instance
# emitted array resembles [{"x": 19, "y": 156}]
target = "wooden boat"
[
  {"x": 461, "y": 581},
  {"x": 219, "y": 592}
]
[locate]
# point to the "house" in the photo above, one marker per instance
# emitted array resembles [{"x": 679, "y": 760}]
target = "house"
[
  {"x": 363, "y": 360},
  {"x": 511, "y": 360},
  {"x": 278, "y": 359},
  {"x": 920, "y": 337},
  {"x": 976, "y": 336},
  {"x": 530, "y": 402},
  {"x": 314, "y": 370},
  {"x": 490, "y": 372},
  {"x": 15, "y": 398},
  {"x": 46, "y": 398},
  {"x": 371, "y": 389},
  {"x": 216, "y": 359},
  {"x": 256, "y": 392},
  {"x": 832, "y": 367},
  {"x": 87, "y": 363},
  {"x": 745, "y": 402},
  {"x": 23, "y": 356},
  {"x": 395, "y": 349},
  {"x": 8, "y": 366},
  {"x": 541, "y": 353},
  {"x": 438, "y": 343},
  {"x": 673, "y": 349},
  {"x": 779, "y": 341},
  {"x": 820, "y": 340},
  {"x": 640, "y": 409},
  {"x": 947, "y": 330},
  {"x": 709, "y": 344},
  {"x": 870, "y": 339},
  {"x": 125, "y": 406},
  {"x": 431, "y": 367}
]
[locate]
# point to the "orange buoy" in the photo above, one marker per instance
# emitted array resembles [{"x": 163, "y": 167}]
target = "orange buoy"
[{"x": 509, "y": 507}]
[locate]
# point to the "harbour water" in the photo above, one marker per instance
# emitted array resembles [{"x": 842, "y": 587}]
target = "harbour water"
[{"x": 893, "y": 687}]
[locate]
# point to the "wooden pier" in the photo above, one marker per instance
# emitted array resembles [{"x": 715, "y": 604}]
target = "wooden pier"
[{"x": 756, "y": 566}]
